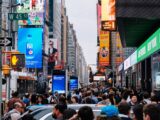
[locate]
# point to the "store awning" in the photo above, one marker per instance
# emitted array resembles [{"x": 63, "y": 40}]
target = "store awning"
[
  {"x": 26, "y": 78},
  {"x": 137, "y": 20}
]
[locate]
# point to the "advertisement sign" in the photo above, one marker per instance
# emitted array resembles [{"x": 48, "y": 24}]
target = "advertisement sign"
[
  {"x": 98, "y": 18},
  {"x": 58, "y": 83},
  {"x": 30, "y": 44},
  {"x": 108, "y": 14},
  {"x": 127, "y": 63},
  {"x": 151, "y": 45},
  {"x": 134, "y": 58},
  {"x": 108, "y": 10},
  {"x": 35, "y": 10},
  {"x": 104, "y": 53},
  {"x": 119, "y": 50},
  {"x": 73, "y": 84},
  {"x": 99, "y": 78}
]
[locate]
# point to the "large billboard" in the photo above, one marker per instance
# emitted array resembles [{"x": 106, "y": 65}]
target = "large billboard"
[
  {"x": 104, "y": 50},
  {"x": 108, "y": 14},
  {"x": 58, "y": 83},
  {"x": 30, "y": 44},
  {"x": 35, "y": 10}
]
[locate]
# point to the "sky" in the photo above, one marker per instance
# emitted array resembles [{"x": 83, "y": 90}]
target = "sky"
[{"x": 82, "y": 14}]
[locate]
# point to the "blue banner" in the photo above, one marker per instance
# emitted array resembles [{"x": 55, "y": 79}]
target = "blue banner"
[
  {"x": 58, "y": 83},
  {"x": 30, "y": 43}
]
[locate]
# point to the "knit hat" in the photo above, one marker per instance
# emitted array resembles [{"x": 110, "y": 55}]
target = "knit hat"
[{"x": 110, "y": 111}]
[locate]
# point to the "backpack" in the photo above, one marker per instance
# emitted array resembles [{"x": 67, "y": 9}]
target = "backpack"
[{"x": 7, "y": 116}]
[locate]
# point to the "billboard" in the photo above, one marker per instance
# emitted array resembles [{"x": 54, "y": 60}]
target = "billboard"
[
  {"x": 35, "y": 10},
  {"x": 30, "y": 44},
  {"x": 108, "y": 14},
  {"x": 104, "y": 53},
  {"x": 98, "y": 18},
  {"x": 73, "y": 84},
  {"x": 53, "y": 54},
  {"x": 58, "y": 83}
]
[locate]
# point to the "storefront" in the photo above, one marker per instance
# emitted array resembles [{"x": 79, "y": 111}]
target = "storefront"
[{"x": 142, "y": 68}]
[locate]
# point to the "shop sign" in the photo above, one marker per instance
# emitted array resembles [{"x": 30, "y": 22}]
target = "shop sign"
[
  {"x": 120, "y": 68},
  {"x": 134, "y": 58},
  {"x": 149, "y": 47},
  {"x": 127, "y": 63}
]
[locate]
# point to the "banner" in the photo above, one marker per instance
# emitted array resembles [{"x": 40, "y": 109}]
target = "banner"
[
  {"x": 119, "y": 50},
  {"x": 35, "y": 10},
  {"x": 108, "y": 15},
  {"x": 30, "y": 44},
  {"x": 104, "y": 53},
  {"x": 98, "y": 19}
]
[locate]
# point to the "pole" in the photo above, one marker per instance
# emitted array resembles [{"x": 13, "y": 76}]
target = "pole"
[{"x": 0, "y": 83}]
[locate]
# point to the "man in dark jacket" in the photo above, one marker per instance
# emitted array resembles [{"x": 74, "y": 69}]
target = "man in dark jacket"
[{"x": 124, "y": 110}]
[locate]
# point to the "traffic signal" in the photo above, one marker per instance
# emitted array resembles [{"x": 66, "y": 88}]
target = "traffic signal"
[{"x": 17, "y": 60}]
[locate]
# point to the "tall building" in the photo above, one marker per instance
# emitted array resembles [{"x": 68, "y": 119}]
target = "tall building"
[
  {"x": 71, "y": 49},
  {"x": 57, "y": 25},
  {"x": 64, "y": 31}
]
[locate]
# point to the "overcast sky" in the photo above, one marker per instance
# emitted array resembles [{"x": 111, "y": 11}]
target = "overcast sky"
[{"x": 82, "y": 14}]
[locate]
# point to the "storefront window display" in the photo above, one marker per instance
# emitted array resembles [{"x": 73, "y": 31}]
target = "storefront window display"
[{"x": 156, "y": 71}]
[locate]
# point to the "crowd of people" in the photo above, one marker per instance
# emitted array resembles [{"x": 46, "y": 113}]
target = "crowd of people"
[{"x": 116, "y": 104}]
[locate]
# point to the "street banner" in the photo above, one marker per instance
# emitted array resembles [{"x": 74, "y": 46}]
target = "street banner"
[
  {"x": 104, "y": 50},
  {"x": 119, "y": 50}
]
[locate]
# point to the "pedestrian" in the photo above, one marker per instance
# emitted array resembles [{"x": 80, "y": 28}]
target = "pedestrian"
[
  {"x": 151, "y": 112},
  {"x": 15, "y": 98},
  {"x": 111, "y": 112},
  {"x": 124, "y": 111},
  {"x": 138, "y": 112},
  {"x": 15, "y": 113},
  {"x": 58, "y": 111},
  {"x": 28, "y": 117},
  {"x": 105, "y": 100},
  {"x": 85, "y": 113},
  {"x": 74, "y": 100},
  {"x": 133, "y": 101},
  {"x": 146, "y": 98},
  {"x": 69, "y": 113},
  {"x": 26, "y": 99}
]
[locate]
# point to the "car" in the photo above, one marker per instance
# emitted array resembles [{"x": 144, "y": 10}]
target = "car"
[{"x": 44, "y": 112}]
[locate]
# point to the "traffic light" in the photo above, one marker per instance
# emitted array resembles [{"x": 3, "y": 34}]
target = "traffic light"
[{"x": 17, "y": 60}]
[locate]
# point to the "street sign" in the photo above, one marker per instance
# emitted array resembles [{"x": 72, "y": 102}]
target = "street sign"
[
  {"x": 18, "y": 16},
  {"x": 5, "y": 41}
]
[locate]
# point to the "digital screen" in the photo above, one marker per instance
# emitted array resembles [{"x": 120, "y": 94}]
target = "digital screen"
[
  {"x": 30, "y": 44},
  {"x": 73, "y": 84},
  {"x": 35, "y": 10},
  {"x": 58, "y": 83}
]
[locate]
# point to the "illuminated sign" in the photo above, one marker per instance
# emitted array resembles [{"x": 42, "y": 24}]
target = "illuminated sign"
[
  {"x": 30, "y": 44},
  {"x": 108, "y": 15},
  {"x": 35, "y": 10},
  {"x": 99, "y": 78},
  {"x": 58, "y": 83},
  {"x": 151, "y": 45},
  {"x": 18, "y": 60},
  {"x": 104, "y": 50}
]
